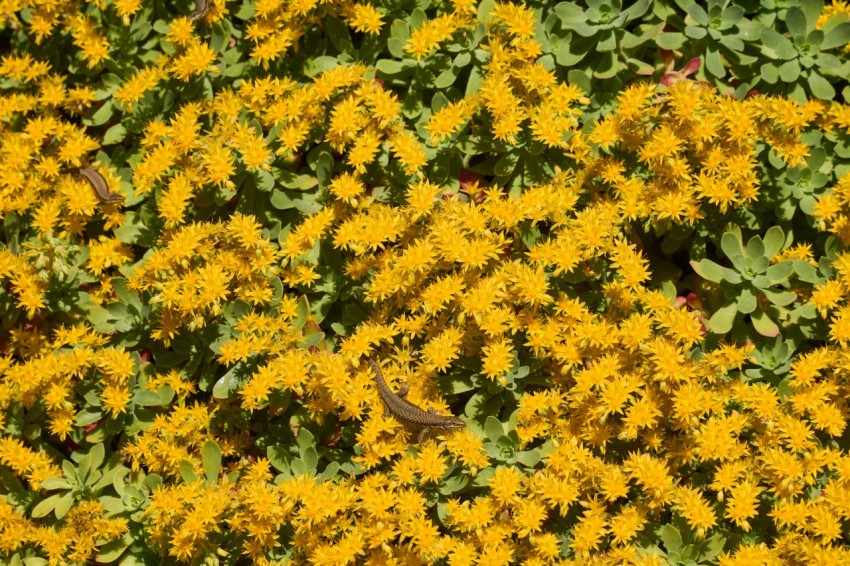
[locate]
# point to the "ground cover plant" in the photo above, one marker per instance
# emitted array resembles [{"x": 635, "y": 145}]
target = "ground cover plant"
[{"x": 610, "y": 236}]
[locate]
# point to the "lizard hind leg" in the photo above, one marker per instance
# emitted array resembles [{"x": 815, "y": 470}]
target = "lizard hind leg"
[
  {"x": 403, "y": 389},
  {"x": 421, "y": 436}
]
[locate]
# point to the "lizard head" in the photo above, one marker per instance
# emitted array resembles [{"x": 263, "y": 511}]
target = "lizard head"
[{"x": 452, "y": 423}]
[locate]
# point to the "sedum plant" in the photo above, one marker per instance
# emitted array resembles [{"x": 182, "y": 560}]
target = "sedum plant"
[
  {"x": 807, "y": 58},
  {"x": 479, "y": 194},
  {"x": 596, "y": 38},
  {"x": 718, "y": 32},
  {"x": 753, "y": 286}
]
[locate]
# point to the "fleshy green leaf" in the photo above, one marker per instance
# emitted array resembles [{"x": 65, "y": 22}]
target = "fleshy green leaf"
[
  {"x": 708, "y": 270},
  {"x": 764, "y": 325},
  {"x": 820, "y": 87},
  {"x": 774, "y": 241},
  {"x": 747, "y": 301},
  {"x": 211, "y": 460},
  {"x": 721, "y": 321}
]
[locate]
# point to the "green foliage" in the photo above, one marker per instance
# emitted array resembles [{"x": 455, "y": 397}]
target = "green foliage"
[
  {"x": 806, "y": 59},
  {"x": 755, "y": 288},
  {"x": 742, "y": 46},
  {"x": 735, "y": 266}
]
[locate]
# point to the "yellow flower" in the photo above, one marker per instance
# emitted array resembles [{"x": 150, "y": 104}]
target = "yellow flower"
[
  {"x": 431, "y": 33},
  {"x": 498, "y": 358},
  {"x": 449, "y": 119},
  {"x": 347, "y": 187},
  {"x": 506, "y": 485},
  {"x": 430, "y": 463},
  {"x": 439, "y": 351},
  {"x": 365, "y": 18},
  {"x": 743, "y": 504},
  {"x": 827, "y": 296},
  {"x": 528, "y": 517},
  {"x": 592, "y": 526},
  {"x": 627, "y": 523},
  {"x": 408, "y": 150},
  {"x": 197, "y": 59},
  {"x": 695, "y": 509}
]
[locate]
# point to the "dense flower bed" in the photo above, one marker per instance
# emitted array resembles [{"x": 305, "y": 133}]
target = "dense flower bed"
[{"x": 612, "y": 238}]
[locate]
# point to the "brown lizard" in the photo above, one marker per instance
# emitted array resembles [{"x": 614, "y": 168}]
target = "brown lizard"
[
  {"x": 99, "y": 185},
  {"x": 201, "y": 9},
  {"x": 409, "y": 414}
]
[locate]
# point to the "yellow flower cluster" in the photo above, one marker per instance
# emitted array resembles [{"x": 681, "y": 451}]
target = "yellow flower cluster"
[
  {"x": 278, "y": 24},
  {"x": 51, "y": 375},
  {"x": 84, "y": 530},
  {"x": 516, "y": 90},
  {"x": 362, "y": 115},
  {"x": 427, "y": 37},
  {"x": 183, "y": 517},
  {"x": 184, "y": 159},
  {"x": 634, "y": 416},
  {"x": 197, "y": 269},
  {"x": 698, "y": 149}
]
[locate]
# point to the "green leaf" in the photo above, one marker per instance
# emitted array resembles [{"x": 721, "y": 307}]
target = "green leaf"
[
  {"x": 839, "y": 36},
  {"x": 722, "y": 320},
  {"x": 227, "y": 385},
  {"x": 305, "y": 440},
  {"x": 731, "y": 244},
  {"x": 187, "y": 472},
  {"x": 310, "y": 458},
  {"x": 714, "y": 63},
  {"x": 580, "y": 79},
  {"x": 101, "y": 116},
  {"x": 63, "y": 505},
  {"x": 708, "y": 270},
  {"x": 670, "y": 40},
  {"x": 324, "y": 169},
  {"x": 528, "y": 458},
  {"x": 712, "y": 547},
  {"x": 698, "y": 13},
  {"x": 805, "y": 271},
  {"x": 606, "y": 41},
  {"x": 338, "y": 33},
  {"x": 55, "y": 482},
  {"x": 211, "y": 460},
  {"x": 777, "y": 42},
  {"x": 779, "y": 272},
  {"x": 796, "y": 21},
  {"x": 755, "y": 248},
  {"x": 45, "y": 506},
  {"x": 671, "y": 538},
  {"x": 770, "y": 73},
  {"x": 820, "y": 87},
  {"x": 732, "y": 15},
  {"x": 96, "y": 455},
  {"x": 493, "y": 428},
  {"x": 280, "y": 458},
  {"x": 789, "y": 71},
  {"x": 747, "y": 302},
  {"x": 812, "y": 10},
  {"x": 506, "y": 164},
  {"x": 111, "y": 551},
  {"x": 114, "y": 134},
  {"x": 764, "y": 325},
  {"x": 570, "y": 13},
  {"x": 774, "y": 241},
  {"x": 780, "y": 298}
]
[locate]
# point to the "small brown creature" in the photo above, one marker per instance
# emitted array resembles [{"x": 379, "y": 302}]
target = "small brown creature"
[
  {"x": 201, "y": 9},
  {"x": 99, "y": 185},
  {"x": 409, "y": 414}
]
